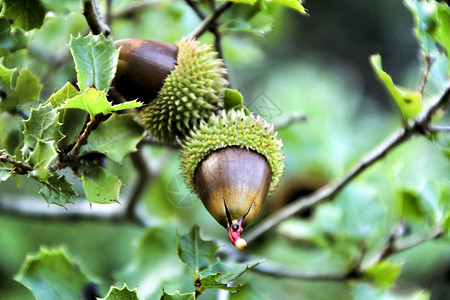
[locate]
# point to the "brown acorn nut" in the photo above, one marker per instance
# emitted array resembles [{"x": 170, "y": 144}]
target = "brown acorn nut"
[
  {"x": 142, "y": 67},
  {"x": 232, "y": 163},
  {"x": 233, "y": 184},
  {"x": 181, "y": 84}
]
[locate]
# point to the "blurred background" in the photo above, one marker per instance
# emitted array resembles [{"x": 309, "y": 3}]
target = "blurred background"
[{"x": 282, "y": 62}]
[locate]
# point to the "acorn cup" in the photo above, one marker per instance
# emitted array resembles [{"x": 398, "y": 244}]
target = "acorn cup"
[
  {"x": 232, "y": 162},
  {"x": 181, "y": 84}
]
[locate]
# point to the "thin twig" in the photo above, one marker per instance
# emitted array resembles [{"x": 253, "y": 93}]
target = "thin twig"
[
  {"x": 36, "y": 208},
  {"x": 94, "y": 18},
  {"x": 438, "y": 128},
  {"x": 82, "y": 139},
  {"x": 428, "y": 60},
  {"x": 196, "y": 9},
  {"x": 289, "y": 120},
  {"x": 392, "y": 246},
  {"x": 144, "y": 180},
  {"x": 71, "y": 158},
  {"x": 18, "y": 166},
  {"x": 206, "y": 24},
  {"x": 108, "y": 16},
  {"x": 418, "y": 126},
  {"x": 214, "y": 29}
]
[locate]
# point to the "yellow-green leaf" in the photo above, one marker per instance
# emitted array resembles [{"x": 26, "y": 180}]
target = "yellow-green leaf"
[{"x": 409, "y": 102}]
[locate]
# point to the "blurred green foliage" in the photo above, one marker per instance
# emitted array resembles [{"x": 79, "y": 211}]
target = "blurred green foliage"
[{"x": 411, "y": 186}]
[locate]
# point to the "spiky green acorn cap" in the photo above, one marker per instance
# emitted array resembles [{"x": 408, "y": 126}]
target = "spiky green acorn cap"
[
  {"x": 232, "y": 128},
  {"x": 192, "y": 91}
]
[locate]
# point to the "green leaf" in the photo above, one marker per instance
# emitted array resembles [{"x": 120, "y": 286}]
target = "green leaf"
[
  {"x": 63, "y": 6},
  {"x": 10, "y": 132},
  {"x": 51, "y": 274},
  {"x": 442, "y": 141},
  {"x": 101, "y": 186},
  {"x": 295, "y": 4},
  {"x": 94, "y": 102},
  {"x": 178, "y": 296},
  {"x": 383, "y": 274},
  {"x": 232, "y": 99},
  {"x": 5, "y": 169},
  {"x": 154, "y": 262},
  {"x": 197, "y": 253},
  {"x": 26, "y": 89},
  {"x": 424, "y": 13},
  {"x": 116, "y": 137},
  {"x": 446, "y": 223},
  {"x": 56, "y": 190},
  {"x": 95, "y": 61},
  {"x": 210, "y": 282},
  {"x": 26, "y": 14},
  {"x": 123, "y": 294},
  {"x": 408, "y": 101},
  {"x": 230, "y": 272},
  {"x": 8, "y": 78},
  {"x": 43, "y": 125},
  {"x": 73, "y": 121},
  {"x": 412, "y": 207},
  {"x": 41, "y": 158},
  {"x": 59, "y": 98},
  {"x": 126, "y": 105},
  {"x": 11, "y": 40},
  {"x": 442, "y": 31}
]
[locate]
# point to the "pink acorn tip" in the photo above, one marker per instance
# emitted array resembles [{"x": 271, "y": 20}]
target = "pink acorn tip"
[{"x": 234, "y": 232}]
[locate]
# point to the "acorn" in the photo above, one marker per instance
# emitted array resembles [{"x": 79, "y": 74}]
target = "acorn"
[
  {"x": 232, "y": 162},
  {"x": 181, "y": 84}
]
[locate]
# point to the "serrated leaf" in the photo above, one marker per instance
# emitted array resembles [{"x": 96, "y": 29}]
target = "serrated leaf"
[
  {"x": 59, "y": 98},
  {"x": 43, "y": 125},
  {"x": 178, "y": 296},
  {"x": 26, "y": 14},
  {"x": 121, "y": 294},
  {"x": 95, "y": 61},
  {"x": 94, "y": 102},
  {"x": 295, "y": 4},
  {"x": 230, "y": 272},
  {"x": 101, "y": 186},
  {"x": 26, "y": 89},
  {"x": 383, "y": 274},
  {"x": 5, "y": 169},
  {"x": 56, "y": 190},
  {"x": 210, "y": 282},
  {"x": 195, "y": 252},
  {"x": 41, "y": 158},
  {"x": 409, "y": 102},
  {"x": 126, "y": 105},
  {"x": 11, "y": 40},
  {"x": 51, "y": 274},
  {"x": 154, "y": 262},
  {"x": 116, "y": 137}
]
